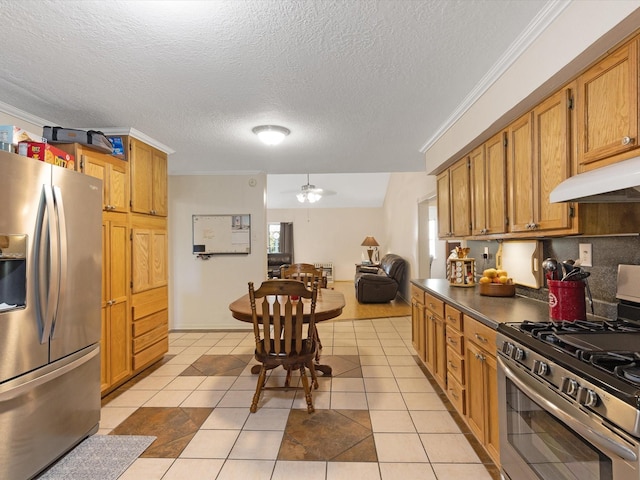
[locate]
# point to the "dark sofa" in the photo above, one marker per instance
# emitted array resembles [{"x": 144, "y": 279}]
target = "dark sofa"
[
  {"x": 275, "y": 261},
  {"x": 380, "y": 284}
]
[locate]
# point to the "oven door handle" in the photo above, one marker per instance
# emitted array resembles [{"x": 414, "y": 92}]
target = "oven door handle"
[{"x": 602, "y": 438}]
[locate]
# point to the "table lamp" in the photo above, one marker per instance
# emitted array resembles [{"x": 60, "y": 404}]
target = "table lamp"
[{"x": 371, "y": 245}]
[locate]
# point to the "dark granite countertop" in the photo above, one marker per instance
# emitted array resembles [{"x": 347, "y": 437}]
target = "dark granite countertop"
[{"x": 489, "y": 310}]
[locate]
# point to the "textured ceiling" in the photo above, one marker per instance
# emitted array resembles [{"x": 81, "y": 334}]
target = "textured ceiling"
[{"x": 361, "y": 84}]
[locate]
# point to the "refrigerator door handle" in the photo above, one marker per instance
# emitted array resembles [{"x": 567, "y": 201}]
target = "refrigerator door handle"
[
  {"x": 60, "y": 253},
  {"x": 9, "y": 393},
  {"x": 48, "y": 286}
]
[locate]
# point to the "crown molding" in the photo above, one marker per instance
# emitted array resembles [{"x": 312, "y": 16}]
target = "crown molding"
[
  {"x": 41, "y": 122},
  {"x": 537, "y": 26},
  {"x": 22, "y": 115},
  {"x": 137, "y": 134}
]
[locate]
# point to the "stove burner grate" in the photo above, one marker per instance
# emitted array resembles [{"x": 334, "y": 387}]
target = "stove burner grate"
[{"x": 629, "y": 372}]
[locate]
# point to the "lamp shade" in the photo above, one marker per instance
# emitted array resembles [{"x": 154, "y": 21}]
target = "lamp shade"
[{"x": 370, "y": 242}]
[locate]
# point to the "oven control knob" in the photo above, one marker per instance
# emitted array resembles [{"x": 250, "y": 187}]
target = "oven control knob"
[
  {"x": 588, "y": 398},
  {"x": 507, "y": 348},
  {"x": 571, "y": 387},
  {"x": 540, "y": 368},
  {"x": 519, "y": 354}
]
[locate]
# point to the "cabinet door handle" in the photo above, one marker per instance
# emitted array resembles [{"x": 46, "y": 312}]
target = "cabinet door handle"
[
  {"x": 452, "y": 341},
  {"x": 628, "y": 140},
  {"x": 479, "y": 357},
  {"x": 453, "y": 394},
  {"x": 482, "y": 339},
  {"x": 452, "y": 366}
]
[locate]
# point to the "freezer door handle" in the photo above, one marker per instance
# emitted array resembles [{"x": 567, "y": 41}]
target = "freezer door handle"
[
  {"x": 61, "y": 255},
  {"x": 48, "y": 286},
  {"x": 8, "y": 392}
]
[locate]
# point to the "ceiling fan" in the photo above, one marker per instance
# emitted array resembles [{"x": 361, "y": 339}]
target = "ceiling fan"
[{"x": 309, "y": 193}]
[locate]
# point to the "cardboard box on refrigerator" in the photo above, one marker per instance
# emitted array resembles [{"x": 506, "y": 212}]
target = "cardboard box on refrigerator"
[
  {"x": 47, "y": 153},
  {"x": 11, "y": 136}
]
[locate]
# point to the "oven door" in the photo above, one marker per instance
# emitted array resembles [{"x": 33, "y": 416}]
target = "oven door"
[{"x": 544, "y": 436}]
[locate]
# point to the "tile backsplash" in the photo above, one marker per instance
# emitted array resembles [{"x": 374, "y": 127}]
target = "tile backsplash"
[{"x": 607, "y": 254}]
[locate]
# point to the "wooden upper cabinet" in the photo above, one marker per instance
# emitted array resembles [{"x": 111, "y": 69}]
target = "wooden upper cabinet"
[
  {"x": 454, "y": 201},
  {"x": 113, "y": 172},
  {"x": 444, "y": 206},
  {"x": 539, "y": 153},
  {"x": 488, "y": 175},
  {"x": 460, "y": 195},
  {"x": 521, "y": 168},
  {"x": 552, "y": 152},
  {"x": 148, "y": 179},
  {"x": 115, "y": 177},
  {"x": 479, "y": 194},
  {"x": 607, "y": 106}
]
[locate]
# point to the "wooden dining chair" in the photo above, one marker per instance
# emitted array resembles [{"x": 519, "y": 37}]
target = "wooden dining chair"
[
  {"x": 279, "y": 334},
  {"x": 306, "y": 273}
]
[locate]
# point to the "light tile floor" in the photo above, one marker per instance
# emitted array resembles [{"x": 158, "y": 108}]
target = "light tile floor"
[{"x": 415, "y": 434}]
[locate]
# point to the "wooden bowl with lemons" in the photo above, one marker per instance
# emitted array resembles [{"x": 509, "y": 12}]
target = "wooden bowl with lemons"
[{"x": 496, "y": 283}]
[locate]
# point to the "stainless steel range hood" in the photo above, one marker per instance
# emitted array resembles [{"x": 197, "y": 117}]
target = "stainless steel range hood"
[{"x": 617, "y": 183}]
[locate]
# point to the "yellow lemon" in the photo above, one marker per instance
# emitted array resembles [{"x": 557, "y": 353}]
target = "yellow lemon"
[{"x": 490, "y": 272}]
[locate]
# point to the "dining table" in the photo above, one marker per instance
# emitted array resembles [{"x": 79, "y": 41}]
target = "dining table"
[{"x": 329, "y": 304}]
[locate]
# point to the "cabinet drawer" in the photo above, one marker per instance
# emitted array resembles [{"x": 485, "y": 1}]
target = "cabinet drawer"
[
  {"x": 455, "y": 365},
  {"x": 453, "y": 316},
  {"x": 146, "y": 324},
  {"x": 151, "y": 354},
  {"x": 149, "y": 338},
  {"x": 417, "y": 294},
  {"x": 480, "y": 334},
  {"x": 456, "y": 394},
  {"x": 455, "y": 340},
  {"x": 435, "y": 305}
]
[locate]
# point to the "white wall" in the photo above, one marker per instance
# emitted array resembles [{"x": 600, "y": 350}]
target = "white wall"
[
  {"x": 201, "y": 290},
  {"x": 584, "y": 31},
  {"x": 404, "y": 193},
  {"x": 332, "y": 235},
  {"x": 6, "y": 119}
]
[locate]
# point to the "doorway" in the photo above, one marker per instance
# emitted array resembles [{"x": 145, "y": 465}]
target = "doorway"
[{"x": 431, "y": 250}]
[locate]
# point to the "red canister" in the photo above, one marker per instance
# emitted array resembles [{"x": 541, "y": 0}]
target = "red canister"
[{"x": 566, "y": 301}]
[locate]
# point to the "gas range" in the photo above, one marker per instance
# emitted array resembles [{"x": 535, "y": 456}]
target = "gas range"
[
  {"x": 580, "y": 365},
  {"x": 594, "y": 365}
]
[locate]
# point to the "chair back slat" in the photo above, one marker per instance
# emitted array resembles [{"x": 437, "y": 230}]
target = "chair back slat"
[
  {"x": 266, "y": 325},
  {"x": 298, "y": 327}
]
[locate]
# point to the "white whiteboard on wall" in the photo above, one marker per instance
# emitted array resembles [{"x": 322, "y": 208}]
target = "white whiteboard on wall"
[{"x": 221, "y": 234}]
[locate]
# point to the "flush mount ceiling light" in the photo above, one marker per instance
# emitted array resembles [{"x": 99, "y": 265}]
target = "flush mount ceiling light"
[
  {"x": 309, "y": 193},
  {"x": 271, "y": 134}
]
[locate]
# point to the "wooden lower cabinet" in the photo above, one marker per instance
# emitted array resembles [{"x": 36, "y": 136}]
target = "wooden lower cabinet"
[
  {"x": 150, "y": 247},
  {"x": 418, "y": 322},
  {"x": 436, "y": 356},
  {"x": 456, "y": 389},
  {"x": 460, "y": 353},
  {"x": 150, "y": 327},
  {"x": 481, "y": 385},
  {"x": 115, "y": 345}
]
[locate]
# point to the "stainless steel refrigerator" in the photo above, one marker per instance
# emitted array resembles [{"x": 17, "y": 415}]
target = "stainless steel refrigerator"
[{"x": 50, "y": 291}]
